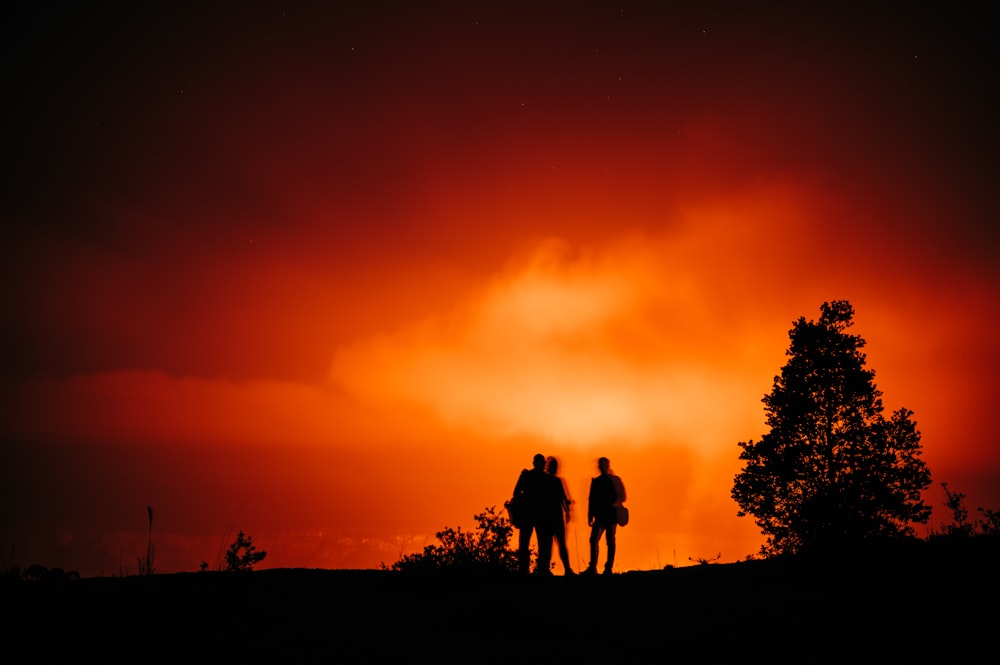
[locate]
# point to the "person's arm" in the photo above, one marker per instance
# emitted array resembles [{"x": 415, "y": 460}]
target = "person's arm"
[
  {"x": 616, "y": 490},
  {"x": 590, "y": 504},
  {"x": 566, "y": 503},
  {"x": 519, "y": 485}
]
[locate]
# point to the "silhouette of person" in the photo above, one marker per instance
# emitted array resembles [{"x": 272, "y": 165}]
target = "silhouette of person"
[
  {"x": 607, "y": 492},
  {"x": 558, "y": 512},
  {"x": 530, "y": 492}
]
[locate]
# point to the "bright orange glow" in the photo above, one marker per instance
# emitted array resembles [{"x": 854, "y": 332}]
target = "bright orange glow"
[{"x": 334, "y": 287}]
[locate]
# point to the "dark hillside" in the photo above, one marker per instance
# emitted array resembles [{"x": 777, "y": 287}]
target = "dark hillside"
[{"x": 932, "y": 608}]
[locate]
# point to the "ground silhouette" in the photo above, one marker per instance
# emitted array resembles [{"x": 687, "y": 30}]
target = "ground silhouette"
[{"x": 927, "y": 606}]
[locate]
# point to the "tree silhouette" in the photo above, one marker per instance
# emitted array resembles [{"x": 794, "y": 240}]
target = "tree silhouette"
[{"x": 832, "y": 471}]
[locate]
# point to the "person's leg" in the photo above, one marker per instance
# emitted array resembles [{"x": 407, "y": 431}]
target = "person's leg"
[
  {"x": 596, "y": 532},
  {"x": 524, "y": 548},
  {"x": 609, "y": 535},
  {"x": 563, "y": 550},
  {"x": 544, "y": 549},
  {"x": 564, "y": 553}
]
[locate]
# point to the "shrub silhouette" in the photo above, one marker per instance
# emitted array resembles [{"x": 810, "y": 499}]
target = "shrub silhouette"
[
  {"x": 961, "y": 527},
  {"x": 242, "y": 554},
  {"x": 832, "y": 472},
  {"x": 39, "y": 573},
  {"x": 487, "y": 550},
  {"x": 990, "y": 525}
]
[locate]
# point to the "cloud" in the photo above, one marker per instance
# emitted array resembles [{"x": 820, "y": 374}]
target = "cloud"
[
  {"x": 155, "y": 409},
  {"x": 572, "y": 345}
]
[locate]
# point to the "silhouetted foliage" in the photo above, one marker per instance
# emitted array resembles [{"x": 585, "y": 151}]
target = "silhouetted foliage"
[
  {"x": 961, "y": 527},
  {"x": 704, "y": 561},
  {"x": 36, "y": 571},
  {"x": 990, "y": 525},
  {"x": 487, "y": 550},
  {"x": 39, "y": 573},
  {"x": 242, "y": 554},
  {"x": 832, "y": 471}
]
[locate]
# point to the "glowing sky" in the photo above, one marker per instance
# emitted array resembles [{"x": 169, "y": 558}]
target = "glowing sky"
[{"x": 331, "y": 275}]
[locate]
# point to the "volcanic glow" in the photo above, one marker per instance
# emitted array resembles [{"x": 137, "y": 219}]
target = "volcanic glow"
[{"x": 332, "y": 277}]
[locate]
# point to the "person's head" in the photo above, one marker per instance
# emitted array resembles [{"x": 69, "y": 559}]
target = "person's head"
[
  {"x": 604, "y": 465},
  {"x": 552, "y": 465},
  {"x": 539, "y": 461}
]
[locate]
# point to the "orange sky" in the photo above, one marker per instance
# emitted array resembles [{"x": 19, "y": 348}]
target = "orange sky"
[{"x": 332, "y": 276}]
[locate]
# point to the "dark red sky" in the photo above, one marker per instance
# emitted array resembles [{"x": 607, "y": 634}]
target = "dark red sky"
[{"x": 331, "y": 273}]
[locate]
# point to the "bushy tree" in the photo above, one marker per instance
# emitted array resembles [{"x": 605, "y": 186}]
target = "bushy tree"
[
  {"x": 486, "y": 550},
  {"x": 832, "y": 471},
  {"x": 242, "y": 554}
]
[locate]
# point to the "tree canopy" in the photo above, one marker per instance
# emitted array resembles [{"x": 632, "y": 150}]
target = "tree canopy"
[{"x": 833, "y": 470}]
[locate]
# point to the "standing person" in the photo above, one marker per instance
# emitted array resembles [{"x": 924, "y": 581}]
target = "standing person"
[
  {"x": 607, "y": 492},
  {"x": 530, "y": 494},
  {"x": 558, "y": 512}
]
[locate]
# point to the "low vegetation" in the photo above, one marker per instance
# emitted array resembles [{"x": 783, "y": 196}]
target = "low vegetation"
[
  {"x": 961, "y": 527},
  {"x": 485, "y": 550},
  {"x": 242, "y": 554}
]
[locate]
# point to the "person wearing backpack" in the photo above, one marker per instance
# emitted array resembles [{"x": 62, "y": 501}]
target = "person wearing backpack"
[
  {"x": 527, "y": 512},
  {"x": 607, "y": 493}
]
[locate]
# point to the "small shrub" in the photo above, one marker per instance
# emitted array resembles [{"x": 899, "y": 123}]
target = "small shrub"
[
  {"x": 990, "y": 525},
  {"x": 486, "y": 550},
  {"x": 703, "y": 561},
  {"x": 242, "y": 555},
  {"x": 961, "y": 527},
  {"x": 36, "y": 571}
]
